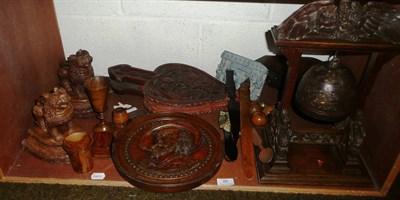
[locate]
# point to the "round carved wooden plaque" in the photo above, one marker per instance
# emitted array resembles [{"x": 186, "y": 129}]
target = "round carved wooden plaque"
[{"x": 168, "y": 152}]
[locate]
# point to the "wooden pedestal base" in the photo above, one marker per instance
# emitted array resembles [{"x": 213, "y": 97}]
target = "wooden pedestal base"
[
  {"x": 82, "y": 108},
  {"x": 312, "y": 165},
  {"x": 324, "y": 155}
]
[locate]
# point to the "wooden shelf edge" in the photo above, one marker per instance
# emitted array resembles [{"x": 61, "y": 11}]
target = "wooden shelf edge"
[
  {"x": 394, "y": 172},
  {"x": 18, "y": 179},
  {"x": 263, "y": 188}
]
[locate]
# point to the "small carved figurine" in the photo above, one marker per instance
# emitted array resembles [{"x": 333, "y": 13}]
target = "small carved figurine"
[
  {"x": 349, "y": 20},
  {"x": 72, "y": 74},
  {"x": 53, "y": 113},
  {"x": 171, "y": 150}
]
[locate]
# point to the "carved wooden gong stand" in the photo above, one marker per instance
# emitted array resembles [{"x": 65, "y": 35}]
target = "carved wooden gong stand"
[
  {"x": 348, "y": 135},
  {"x": 286, "y": 127}
]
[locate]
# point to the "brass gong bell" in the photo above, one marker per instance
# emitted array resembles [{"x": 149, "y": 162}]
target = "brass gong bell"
[{"x": 327, "y": 91}]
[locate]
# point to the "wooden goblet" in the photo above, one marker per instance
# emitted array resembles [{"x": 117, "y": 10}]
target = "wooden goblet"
[{"x": 97, "y": 88}]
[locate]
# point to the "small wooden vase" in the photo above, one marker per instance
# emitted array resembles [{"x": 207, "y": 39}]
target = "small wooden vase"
[{"x": 120, "y": 119}]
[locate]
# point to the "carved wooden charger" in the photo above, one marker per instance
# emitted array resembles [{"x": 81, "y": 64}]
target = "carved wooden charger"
[
  {"x": 171, "y": 87},
  {"x": 168, "y": 152}
]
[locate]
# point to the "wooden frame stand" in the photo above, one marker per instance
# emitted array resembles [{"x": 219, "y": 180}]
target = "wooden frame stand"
[{"x": 289, "y": 132}]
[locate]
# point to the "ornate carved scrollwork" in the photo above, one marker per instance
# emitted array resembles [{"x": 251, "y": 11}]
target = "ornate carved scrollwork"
[
  {"x": 349, "y": 20},
  {"x": 333, "y": 136},
  {"x": 315, "y": 138}
]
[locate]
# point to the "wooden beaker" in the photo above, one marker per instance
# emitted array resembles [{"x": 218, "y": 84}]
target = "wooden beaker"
[{"x": 78, "y": 147}]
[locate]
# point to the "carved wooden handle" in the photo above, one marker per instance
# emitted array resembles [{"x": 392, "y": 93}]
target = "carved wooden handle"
[
  {"x": 127, "y": 73},
  {"x": 126, "y": 79},
  {"x": 266, "y": 154}
]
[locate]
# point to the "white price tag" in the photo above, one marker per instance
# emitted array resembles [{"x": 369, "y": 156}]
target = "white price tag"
[
  {"x": 225, "y": 181},
  {"x": 98, "y": 176},
  {"x": 129, "y": 108}
]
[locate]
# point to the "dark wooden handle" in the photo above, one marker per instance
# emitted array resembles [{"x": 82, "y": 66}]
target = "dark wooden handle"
[
  {"x": 126, "y": 79},
  {"x": 127, "y": 73}
]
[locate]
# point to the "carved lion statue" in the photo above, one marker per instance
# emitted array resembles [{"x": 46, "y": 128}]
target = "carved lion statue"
[
  {"x": 75, "y": 71},
  {"x": 72, "y": 75},
  {"x": 53, "y": 113}
]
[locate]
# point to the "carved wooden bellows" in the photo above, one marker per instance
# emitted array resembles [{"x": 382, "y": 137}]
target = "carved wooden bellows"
[
  {"x": 171, "y": 88},
  {"x": 167, "y": 152}
]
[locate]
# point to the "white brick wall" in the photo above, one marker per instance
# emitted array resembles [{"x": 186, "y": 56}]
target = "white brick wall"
[{"x": 148, "y": 33}]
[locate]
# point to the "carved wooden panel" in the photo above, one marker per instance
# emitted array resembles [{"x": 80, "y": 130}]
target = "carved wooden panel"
[
  {"x": 168, "y": 152},
  {"x": 346, "y": 20}
]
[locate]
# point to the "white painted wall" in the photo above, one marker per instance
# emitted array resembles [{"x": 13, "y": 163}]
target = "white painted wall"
[{"x": 148, "y": 33}]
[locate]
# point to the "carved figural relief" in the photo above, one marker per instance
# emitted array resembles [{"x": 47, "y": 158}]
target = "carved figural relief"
[
  {"x": 170, "y": 149},
  {"x": 53, "y": 113},
  {"x": 72, "y": 74},
  {"x": 281, "y": 129},
  {"x": 350, "y": 148},
  {"x": 167, "y": 152},
  {"x": 349, "y": 20}
]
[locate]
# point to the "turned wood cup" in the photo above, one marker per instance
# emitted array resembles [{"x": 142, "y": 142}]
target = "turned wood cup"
[
  {"x": 97, "y": 88},
  {"x": 78, "y": 147}
]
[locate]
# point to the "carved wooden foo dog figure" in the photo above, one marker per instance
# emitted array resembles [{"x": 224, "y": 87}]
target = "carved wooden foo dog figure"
[
  {"x": 72, "y": 74},
  {"x": 53, "y": 113}
]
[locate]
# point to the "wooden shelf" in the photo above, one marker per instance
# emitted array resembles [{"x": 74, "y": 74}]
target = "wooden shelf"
[
  {"x": 28, "y": 168},
  {"x": 37, "y": 66}
]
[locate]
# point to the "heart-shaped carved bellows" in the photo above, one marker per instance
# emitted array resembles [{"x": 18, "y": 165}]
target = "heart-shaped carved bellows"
[{"x": 171, "y": 87}]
